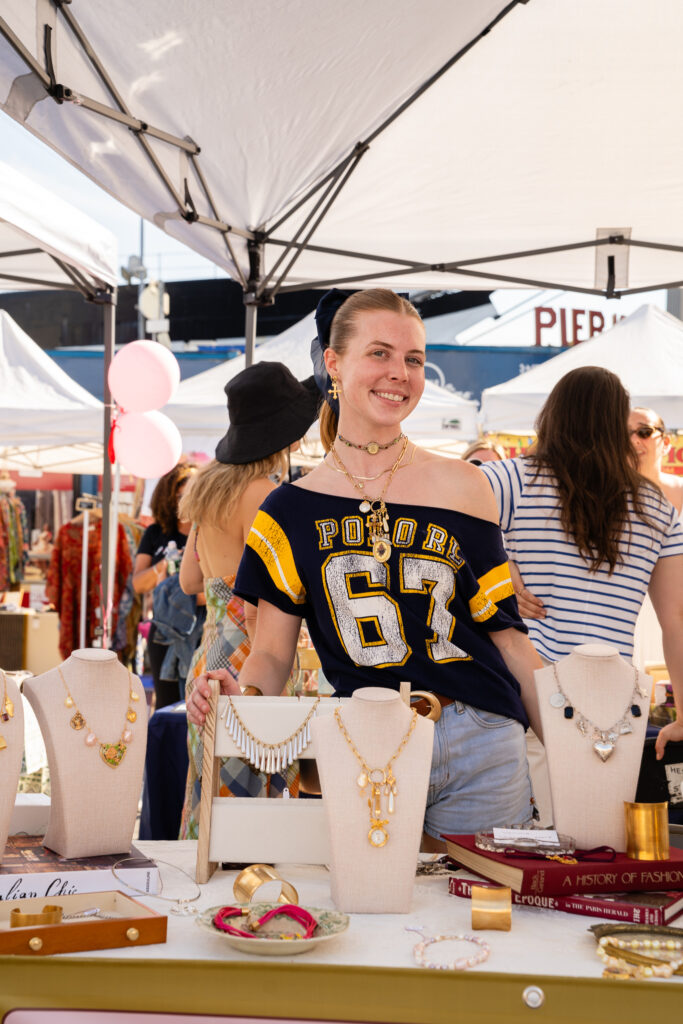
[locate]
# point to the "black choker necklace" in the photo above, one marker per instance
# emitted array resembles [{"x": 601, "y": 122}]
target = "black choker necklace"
[{"x": 372, "y": 447}]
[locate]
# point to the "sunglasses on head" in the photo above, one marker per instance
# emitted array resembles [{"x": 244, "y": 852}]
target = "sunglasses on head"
[
  {"x": 645, "y": 432},
  {"x": 475, "y": 462}
]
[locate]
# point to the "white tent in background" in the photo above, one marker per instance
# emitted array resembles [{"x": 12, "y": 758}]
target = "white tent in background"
[
  {"x": 47, "y": 420},
  {"x": 199, "y": 409},
  {"x": 645, "y": 350}
]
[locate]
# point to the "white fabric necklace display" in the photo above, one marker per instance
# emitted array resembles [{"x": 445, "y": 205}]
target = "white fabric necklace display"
[
  {"x": 11, "y": 749},
  {"x": 593, "y": 706},
  {"x": 373, "y": 874},
  {"x": 94, "y": 797}
]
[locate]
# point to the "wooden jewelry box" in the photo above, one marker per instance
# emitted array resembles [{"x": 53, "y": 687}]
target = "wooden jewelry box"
[{"x": 130, "y": 924}]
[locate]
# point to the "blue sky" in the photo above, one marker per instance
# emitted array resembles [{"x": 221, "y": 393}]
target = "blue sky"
[{"x": 165, "y": 258}]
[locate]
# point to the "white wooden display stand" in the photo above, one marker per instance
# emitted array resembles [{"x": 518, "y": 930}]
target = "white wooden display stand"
[{"x": 248, "y": 830}]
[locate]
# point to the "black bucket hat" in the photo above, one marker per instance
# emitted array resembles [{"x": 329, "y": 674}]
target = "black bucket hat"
[{"x": 269, "y": 409}]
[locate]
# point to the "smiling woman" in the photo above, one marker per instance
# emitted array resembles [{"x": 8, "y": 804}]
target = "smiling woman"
[{"x": 394, "y": 557}]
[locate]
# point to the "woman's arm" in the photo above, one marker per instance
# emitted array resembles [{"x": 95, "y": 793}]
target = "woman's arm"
[
  {"x": 522, "y": 659},
  {"x": 267, "y": 666},
  {"x": 191, "y": 576},
  {"x": 666, "y": 592},
  {"x": 530, "y": 606},
  {"x": 145, "y": 575}
]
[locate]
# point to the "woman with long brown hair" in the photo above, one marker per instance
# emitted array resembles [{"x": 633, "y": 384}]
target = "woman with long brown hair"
[{"x": 588, "y": 533}]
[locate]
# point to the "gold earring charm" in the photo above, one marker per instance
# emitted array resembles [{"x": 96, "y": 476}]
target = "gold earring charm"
[{"x": 335, "y": 389}]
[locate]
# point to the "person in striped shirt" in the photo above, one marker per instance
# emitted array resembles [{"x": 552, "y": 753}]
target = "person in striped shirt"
[{"x": 588, "y": 533}]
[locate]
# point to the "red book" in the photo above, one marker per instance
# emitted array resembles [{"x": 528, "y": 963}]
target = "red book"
[
  {"x": 653, "y": 908},
  {"x": 542, "y": 877}
]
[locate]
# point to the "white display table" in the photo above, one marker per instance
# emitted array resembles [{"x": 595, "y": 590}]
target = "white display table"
[{"x": 366, "y": 974}]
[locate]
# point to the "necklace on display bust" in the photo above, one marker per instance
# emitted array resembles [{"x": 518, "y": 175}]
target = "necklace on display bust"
[
  {"x": 372, "y": 447},
  {"x": 382, "y": 782},
  {"x": 111, "y": 753},
  {"x": 604, "y": 740},
  {"x": 377, "y": 521},
  {"x": 264, "y": 756}
]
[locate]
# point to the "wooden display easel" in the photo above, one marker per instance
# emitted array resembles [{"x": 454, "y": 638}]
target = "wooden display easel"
[{"x": 248, "y": 830}]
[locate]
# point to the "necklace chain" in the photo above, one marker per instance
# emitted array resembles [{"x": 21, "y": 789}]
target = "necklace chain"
[
  {"x": 372, "y": 447},
  {"x": 7, "y": 707},
  {"x": 377, "y": 521},
  {"x": 604, "y": 740},
  {"x": 111, "y": 753},
  {"x": 369, "y": 479},
  {"x": 382, "y": 782}
]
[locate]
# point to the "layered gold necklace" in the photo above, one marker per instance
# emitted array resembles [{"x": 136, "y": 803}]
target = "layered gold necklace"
[
  {"x": 111, "y": 753},
  {"x": 377, "y": 520},
  {"x": 382, "y": 782}
]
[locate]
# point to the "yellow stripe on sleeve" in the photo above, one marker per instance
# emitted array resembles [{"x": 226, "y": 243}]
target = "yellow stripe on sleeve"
[
  {"x": 493, "y": 586},
  {"x": 269, "y": 541}
]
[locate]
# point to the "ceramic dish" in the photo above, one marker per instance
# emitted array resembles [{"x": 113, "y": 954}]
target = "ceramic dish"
[{"x": 330, "y": 924}]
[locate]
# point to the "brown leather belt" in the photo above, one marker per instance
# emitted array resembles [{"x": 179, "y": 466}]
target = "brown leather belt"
[{"x": 429, "y": 704}]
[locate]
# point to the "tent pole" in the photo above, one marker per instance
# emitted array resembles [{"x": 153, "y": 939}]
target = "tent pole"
[
  {"x": 252, "y": 300},
  {"x": 250, "y": 319},
  {"x": 108, "y": 299}
]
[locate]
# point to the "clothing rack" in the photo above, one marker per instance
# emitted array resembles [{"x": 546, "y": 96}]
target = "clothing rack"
[{"x": 85, "y": 503}]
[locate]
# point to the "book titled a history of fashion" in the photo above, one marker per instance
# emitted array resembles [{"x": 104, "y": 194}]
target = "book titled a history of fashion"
[{"x": 29, "y": 869}]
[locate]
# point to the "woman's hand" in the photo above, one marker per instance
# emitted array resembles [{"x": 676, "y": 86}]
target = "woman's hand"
[
  {"x": 668, "y": 734},
  {"x": 198, "y": 704},
  {"x": 530, "y": 606}
]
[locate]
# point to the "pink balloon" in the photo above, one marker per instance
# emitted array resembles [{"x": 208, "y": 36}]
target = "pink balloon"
[
  {"x": 147, "y": 444},
  {"x": 143, "y": 375}
]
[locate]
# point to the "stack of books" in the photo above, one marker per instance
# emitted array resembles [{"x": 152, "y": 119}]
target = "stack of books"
[
  {"x": 29, "y": 869},
  {"x": 634, "y": 891}
]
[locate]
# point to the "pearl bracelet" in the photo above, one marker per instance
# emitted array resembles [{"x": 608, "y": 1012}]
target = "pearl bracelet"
[
  {"x": 461, "y": 963},
  {"x": 618, "y": 967}
]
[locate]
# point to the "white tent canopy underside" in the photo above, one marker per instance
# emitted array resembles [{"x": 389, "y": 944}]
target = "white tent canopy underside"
[{"x": 556, "y": 125}]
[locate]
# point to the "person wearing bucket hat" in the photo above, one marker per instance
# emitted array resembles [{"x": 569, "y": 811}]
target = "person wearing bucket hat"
[
  {"x": 268, "y": 409},
  {"x": 394, "y": 557},
  {"x": 269, "y": 412}
]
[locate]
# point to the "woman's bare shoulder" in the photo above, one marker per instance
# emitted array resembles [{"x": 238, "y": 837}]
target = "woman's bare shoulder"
[{"x": 456, "y": 484}]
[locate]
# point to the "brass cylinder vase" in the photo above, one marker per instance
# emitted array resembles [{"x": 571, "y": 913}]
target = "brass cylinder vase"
[{"x": 647, "y": 831}]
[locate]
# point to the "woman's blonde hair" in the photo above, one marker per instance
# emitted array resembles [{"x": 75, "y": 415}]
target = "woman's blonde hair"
[
  {"x": 483, "y": 444},
  {"x": 213, "y": 494},
  {"x": 371, "y": 300}
]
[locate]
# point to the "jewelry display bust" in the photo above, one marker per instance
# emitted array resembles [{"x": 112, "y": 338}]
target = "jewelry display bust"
[
  {"x": 11, "y": 750},
  {"x": 374, "y": 772},
  {"x": 593, "y": 706},
  {"x": 93, "y": 716}
]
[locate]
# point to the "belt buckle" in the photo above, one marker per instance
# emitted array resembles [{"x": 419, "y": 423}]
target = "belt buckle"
[{"x": 433, "y": 701}]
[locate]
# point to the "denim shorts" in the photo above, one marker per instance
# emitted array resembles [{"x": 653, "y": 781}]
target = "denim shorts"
[{"x": 479, "y": 777}]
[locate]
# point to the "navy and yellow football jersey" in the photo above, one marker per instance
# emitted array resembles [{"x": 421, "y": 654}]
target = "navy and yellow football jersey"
[{"x": 425, "y": 615}]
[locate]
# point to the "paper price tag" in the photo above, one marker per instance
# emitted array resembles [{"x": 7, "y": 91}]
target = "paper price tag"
[{"x": 541, "y": 836}]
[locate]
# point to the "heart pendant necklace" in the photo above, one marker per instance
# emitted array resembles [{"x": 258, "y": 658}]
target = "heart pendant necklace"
[
  {"x": 604, "y": 740},
  {"x": 377, "y": 516},
  {"x": 111, "y": 753}
]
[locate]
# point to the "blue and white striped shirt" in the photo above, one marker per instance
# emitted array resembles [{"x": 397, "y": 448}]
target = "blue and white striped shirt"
[{"x": 581, "y": 606}]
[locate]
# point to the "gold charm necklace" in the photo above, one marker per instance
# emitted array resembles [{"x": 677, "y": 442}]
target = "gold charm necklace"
[
  {"x": 372, "y": 447},
  {"x": 111, "y": 753},
  {"x": 382, "y": 782},
  {"x": 377, "y": 521}
]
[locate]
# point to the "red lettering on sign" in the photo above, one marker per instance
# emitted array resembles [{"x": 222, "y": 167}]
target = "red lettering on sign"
[
  {"x": 576, "y": 313},
  {"x": 596, "y": 323},
  {"x": 542, "y": 323}
]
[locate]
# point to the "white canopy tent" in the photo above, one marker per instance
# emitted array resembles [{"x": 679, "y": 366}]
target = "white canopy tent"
[
  {"x": 47, "y": 243},
  {"x": 433, "y": 145},
  {"x": 47, "y": 420},
  {"x": 645, "y": 350},
  {"x": 199, "y": 409}
]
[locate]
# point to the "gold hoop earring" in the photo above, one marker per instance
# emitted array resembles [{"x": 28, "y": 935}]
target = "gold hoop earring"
[{"x": 335, "y": 390}]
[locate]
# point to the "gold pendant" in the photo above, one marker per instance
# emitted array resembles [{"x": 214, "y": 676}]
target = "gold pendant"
[
  {"x": 112, "y": 753},
  {"x": 9, "y": 708},
  {"x": 381, "y": 550},
  {"x": 378, "y": 835},
  {"x": 3, "y": 743},
  {"x": 131, "y": 715},
  {"x": 372, "y": 448},
  {"x": 78, "y": 721}
]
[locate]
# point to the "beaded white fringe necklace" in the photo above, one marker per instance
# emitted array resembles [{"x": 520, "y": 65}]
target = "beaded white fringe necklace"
[{"x": 268, "y": 757}]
